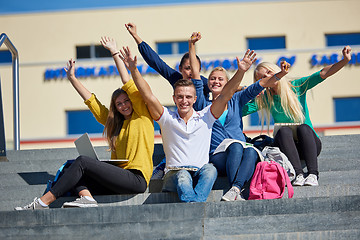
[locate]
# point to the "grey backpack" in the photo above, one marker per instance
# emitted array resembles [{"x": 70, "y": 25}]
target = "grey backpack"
[{"x": 274, "y": 154}]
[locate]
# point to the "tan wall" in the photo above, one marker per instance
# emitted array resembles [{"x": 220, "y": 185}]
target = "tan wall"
[{"x": 47, "y": 40}]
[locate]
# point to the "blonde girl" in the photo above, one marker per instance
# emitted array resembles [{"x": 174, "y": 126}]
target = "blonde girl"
[{"x": 286, "y": 101}]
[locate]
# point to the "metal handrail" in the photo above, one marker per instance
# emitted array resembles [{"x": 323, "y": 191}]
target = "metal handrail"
[{"x": 15, "y": 67}]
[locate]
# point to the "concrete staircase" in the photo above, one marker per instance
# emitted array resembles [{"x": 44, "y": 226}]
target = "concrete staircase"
[{"x": 330, "y": 211}]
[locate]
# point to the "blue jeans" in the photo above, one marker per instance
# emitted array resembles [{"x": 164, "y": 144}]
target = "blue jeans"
[
  {"x": 237, "y": 163},
  {"x": 191, "y": 186}
]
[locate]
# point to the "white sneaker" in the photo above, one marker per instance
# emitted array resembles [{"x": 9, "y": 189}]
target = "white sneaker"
[
  {"x": 81, "y": 202},
  {"x": 231, "y": 194},
  {"x": 299, "y": 181},
  {"x": 311, "y": 180},
  {"x": 240, "y": 197},
  {"x": 34, "y": 205}
]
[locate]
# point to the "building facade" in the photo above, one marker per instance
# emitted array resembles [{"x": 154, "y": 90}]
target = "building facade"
[{"x": 308, "y": 34}]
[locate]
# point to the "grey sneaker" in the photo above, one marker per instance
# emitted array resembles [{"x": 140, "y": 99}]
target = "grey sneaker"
[
  {"x": 240, "y": 197},
  {"x": 231, "y": 194},
  {"x": 34, "y": 205},
  {"x": 311, "y": 180},
  {"x": 299, "y": 180},
  {"x": 81, "y": 202}
]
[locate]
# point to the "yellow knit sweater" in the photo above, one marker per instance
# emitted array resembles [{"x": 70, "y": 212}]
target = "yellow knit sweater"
[{"x": 136, "y": 139}]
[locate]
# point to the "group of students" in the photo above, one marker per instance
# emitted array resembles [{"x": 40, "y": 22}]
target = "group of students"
[{"x": 192, "y": 132}]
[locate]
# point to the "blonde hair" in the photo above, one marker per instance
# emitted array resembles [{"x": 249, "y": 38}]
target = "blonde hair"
[
  {"x": 220, "y": 69},
  {"x": 289, "y": 100}
]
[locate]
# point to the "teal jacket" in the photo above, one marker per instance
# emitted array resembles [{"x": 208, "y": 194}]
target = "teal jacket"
[{"x": 301, "y": 86}]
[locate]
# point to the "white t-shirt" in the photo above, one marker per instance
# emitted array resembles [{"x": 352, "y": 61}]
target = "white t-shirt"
[{"x": 186, "y": 144}]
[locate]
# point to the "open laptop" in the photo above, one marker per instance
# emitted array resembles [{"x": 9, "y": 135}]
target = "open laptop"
[
  {"x": 293, "y": 127},
  {"x": 85, "y": 148}
]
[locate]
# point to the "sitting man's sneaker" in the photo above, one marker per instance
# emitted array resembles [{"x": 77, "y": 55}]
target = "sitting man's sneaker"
[
  {"x": 34, "y": 205},
  {"x": 81, "y": 202},
  {"x": 311, "y": 180},
  {"x": 299, "y": 180},
  {"x": 231, "y": 194}
]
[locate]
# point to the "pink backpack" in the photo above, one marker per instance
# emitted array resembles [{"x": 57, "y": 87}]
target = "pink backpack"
[{"x": 269, "y": 181}]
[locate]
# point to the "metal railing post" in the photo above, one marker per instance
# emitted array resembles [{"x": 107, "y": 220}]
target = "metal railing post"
[
  {"x": 15, "y": 66},
  {"x": 2, "y": 131}
]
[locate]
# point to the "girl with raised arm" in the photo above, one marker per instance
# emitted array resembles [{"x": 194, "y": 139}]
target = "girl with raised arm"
[
  {"x": 286, "y": 101},
  {"x": 129, "y": 131}
]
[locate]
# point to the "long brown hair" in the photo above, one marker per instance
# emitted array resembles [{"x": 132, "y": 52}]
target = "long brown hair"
[{"x": 114, "y": 121}]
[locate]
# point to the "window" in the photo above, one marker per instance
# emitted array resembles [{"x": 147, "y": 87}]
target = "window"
[
  {"x": 342, "y": 39},
  {"x": 5, "y": 56},
  {"x": 168, "y": 48},
  {"x": 92, "y": 51},
  {"x": 82, "y": 121},
  {"x": 256, "y": 121},
  {"x": 263, "y": 43},
  {"x": 347, "y": 109}
]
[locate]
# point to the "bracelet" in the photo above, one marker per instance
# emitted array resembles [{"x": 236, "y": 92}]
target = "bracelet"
[
  {"x": 276, "y": 77},
  {"x": 115, "y": 53}
]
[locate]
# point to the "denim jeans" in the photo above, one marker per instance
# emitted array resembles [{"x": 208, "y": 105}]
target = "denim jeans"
[
  {"x": 191, "y": 186},
  {"x": 237, "y": 163}
]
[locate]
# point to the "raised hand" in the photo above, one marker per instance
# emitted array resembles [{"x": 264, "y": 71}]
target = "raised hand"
[
  {"x": 131, "y": 27},
  {"x": 70, "y": 69},
  {"x": 346, "y": 52},
  {"x": 248, "y": 59},
  {"x": 127, "y": 58},
  {"x": 285, "y": 67},
  {"x": 70, "y": 72},
  {"x": 195, "y": 36},
  {"x": 109, "y": 44}
]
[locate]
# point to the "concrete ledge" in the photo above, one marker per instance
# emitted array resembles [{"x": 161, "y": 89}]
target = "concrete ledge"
[
  {"x": 352, "y": 234},
  {"x": 212, "y": 220}
]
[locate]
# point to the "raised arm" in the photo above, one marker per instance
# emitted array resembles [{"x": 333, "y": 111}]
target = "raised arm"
[
  {"x": 70, "y": 72},
  {"x": 131, "y": 27},
  {"x": 334, "y": 68},
  {"x": 219, "y": 104},
  {"x": 110, "y": 45},
  {"x": 270, "y": 81},
  {"x": 194, "y": 63},
  {"x": 153, "y": 104},
  {"x": 152, "y": 58}
]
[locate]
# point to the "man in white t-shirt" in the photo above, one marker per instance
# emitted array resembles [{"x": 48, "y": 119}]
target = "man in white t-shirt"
[{"x": 186, "y": 133}]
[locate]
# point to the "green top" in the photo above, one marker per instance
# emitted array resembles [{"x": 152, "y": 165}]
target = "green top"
[{"x": 301, "y": 86}]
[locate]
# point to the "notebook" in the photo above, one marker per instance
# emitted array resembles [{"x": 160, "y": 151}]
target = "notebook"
[
  {"x": 85, "y": 148},
  {"x": 293, "y": 127}
]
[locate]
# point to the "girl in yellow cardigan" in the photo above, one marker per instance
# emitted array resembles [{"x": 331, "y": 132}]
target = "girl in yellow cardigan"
[{"x": 129, "y": 131}]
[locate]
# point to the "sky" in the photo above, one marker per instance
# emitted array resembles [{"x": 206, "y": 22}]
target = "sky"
[{"x": 35, "y": 6}]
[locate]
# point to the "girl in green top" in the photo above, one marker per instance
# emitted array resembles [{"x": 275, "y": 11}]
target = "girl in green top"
[{"x": 286, "y": 101}]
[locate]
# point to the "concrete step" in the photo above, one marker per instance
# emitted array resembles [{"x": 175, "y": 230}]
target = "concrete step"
[
  {"x": 352, "y": 234},
  {"x": 340, "y": 140},
  {"x": 326, "y": 163},
  {"x": 332, "y": 145},
  {"x": 213, "y": 220},
  {"x": 64, "y": 154},
  {"x": 41, "y": 178},
  {"x": 20, "y": 196},
  {"x": 287, "y": 225}
]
